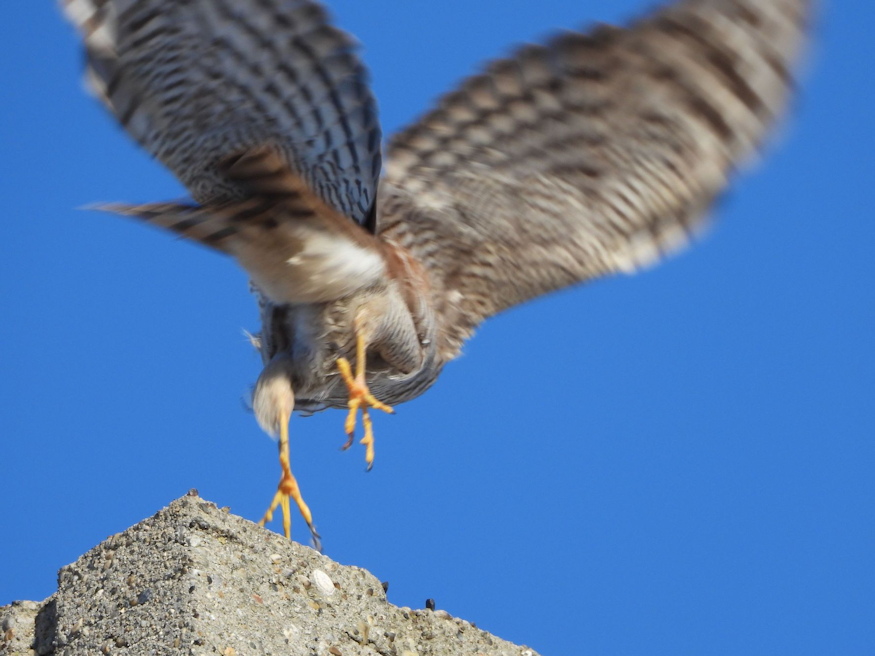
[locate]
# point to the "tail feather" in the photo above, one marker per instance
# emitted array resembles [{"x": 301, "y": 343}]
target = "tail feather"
[
  {"x": 277, "y": 197},
  {"x": 263, "y": 171},
  {"x": 209, "y": 227},
  {"x": 296, "y": 247}
]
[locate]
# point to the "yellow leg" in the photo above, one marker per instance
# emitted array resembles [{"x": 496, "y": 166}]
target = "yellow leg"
[
  {"x": 288, "y": 487},
  {"x": 360, "y": 397}
]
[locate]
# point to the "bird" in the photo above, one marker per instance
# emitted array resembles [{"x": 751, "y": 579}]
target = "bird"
[{"x": 595, "y": 152}]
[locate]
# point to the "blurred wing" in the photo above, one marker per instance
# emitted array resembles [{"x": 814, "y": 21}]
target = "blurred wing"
[
  {"x": 197, "y": 81},
  {"x": 589, "y": 155}
]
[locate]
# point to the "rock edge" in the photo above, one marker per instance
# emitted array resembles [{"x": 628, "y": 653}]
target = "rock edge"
[{"x": 193, "y": 579}]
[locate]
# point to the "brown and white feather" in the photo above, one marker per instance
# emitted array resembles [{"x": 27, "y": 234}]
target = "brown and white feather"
[
  {"x": 595, "y": 153},
  {"x": 296, "y": 247}
]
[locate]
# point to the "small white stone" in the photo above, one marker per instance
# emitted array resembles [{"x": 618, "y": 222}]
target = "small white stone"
[{"x": 323, "y": 582}]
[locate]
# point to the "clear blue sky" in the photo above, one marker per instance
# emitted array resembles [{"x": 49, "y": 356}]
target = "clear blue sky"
[{"x": 680, "y": 462}]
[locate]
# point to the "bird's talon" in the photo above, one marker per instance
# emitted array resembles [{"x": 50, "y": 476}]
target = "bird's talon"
[
  {"x": 360, "y": 398},
  {"x": 287, "y": 490}
]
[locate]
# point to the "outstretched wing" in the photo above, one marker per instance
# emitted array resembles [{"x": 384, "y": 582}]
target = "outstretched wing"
[
  {"x": 197, "y": 81},
  {"x": 595, "y": 153}
]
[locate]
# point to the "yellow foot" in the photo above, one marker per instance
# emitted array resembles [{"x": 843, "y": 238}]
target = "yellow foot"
[
  {"x": 360, "y": 397},
  {"x": 288, "y": 489}
]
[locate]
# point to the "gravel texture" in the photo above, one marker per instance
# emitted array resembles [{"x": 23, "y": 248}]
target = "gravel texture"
[{"x": 194, "y": 579}]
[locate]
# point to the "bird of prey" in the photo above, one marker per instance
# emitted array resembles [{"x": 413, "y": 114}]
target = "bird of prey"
[{"x": 594, "y": 153}]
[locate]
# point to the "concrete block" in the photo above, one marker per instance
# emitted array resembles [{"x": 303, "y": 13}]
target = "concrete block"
[{"x": 196, "y": 580}]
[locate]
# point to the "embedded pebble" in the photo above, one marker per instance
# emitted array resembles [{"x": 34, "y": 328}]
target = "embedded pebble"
[{"x": 323, "y": 582}]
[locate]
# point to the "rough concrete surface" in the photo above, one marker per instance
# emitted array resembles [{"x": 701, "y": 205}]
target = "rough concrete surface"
[{"x": 194, "y": 579}]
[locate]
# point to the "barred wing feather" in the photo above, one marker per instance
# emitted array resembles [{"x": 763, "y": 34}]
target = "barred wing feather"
[
  {"x": 195, "y": 82},
  {"x": 593, "y": 154}
]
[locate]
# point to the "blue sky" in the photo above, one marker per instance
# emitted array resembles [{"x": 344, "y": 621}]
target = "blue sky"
[{"x": 680, "y": 462}]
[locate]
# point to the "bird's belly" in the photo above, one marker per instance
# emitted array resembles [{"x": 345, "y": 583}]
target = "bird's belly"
[{"x": 389, "y": 387}]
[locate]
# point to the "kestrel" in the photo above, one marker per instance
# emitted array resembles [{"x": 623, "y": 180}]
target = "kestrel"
[{"x": 591, "y": 154}]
